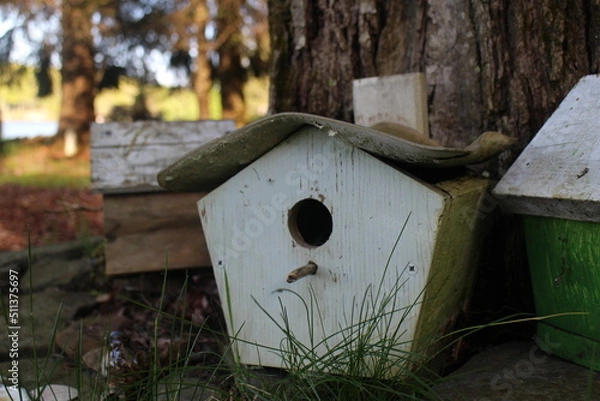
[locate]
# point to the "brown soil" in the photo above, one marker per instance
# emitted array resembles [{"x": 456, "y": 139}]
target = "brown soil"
[{"x": 47, "y": 215}]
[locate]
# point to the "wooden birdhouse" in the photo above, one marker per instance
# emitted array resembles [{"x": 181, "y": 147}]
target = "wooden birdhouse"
[
  {"x": 144, "y": 225},
  {"x": 555, "y": 185},
  {"x": 312, "y": 222}
]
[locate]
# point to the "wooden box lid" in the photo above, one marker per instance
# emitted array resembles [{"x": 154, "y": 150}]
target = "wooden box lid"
[{"x": 127, "y": 156}]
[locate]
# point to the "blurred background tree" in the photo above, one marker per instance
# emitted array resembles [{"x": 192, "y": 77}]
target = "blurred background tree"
[
  {"x": 223, "y": 41},
  {"x": 78, "y": 70},
  {"x": 95, "y": 43}
]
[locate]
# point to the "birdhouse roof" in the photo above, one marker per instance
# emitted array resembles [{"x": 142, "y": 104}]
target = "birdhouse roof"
[
  {"x": 206, "y": 167},
  {"x": 558, "y": 173}
]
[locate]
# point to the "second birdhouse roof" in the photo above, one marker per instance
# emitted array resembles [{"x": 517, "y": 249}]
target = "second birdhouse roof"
[
  {"x": 208, "y": 166},
  {"x": 557, "y": 175}
]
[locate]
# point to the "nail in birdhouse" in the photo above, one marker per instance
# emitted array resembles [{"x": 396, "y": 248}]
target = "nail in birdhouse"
[
  {"x": 315, "y": 226},
  {"x": 555, "y": 185}
]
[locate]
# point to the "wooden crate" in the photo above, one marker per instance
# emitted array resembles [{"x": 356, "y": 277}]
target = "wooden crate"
[{"x": 144, "y": 225}]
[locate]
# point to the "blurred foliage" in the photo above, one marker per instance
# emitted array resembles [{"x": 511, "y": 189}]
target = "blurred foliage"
[
  {"x": 165, "y": 103},
  {"x": 201, "y": 27},
  {"x": 30, "y": 163},
  {"x": 138, "y": 39},
  {"x": 130, "y": 36},
  {"x": 20, "y": 101},
  {"x": 42, "y": 73}
]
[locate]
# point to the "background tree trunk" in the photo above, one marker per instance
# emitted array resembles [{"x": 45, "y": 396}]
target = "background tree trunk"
[
  {"x": 490, "y": 65},
  {"x": 1, "y": 138},
  {"x": 202, "y": 82},
  {"x": 202, "y": 77},
  {"x": 78, "y": 71},
  {"x": 230, "y": 72}
]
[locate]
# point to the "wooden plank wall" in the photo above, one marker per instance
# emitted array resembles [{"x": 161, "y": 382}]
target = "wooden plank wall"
[
  {"x": 142, "y": 230},
  {"x": 147, "y": 228},
  {"x": 127, "y": 156}
]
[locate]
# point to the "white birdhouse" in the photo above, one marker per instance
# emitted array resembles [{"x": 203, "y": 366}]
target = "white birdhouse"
[{"x": 312, "y": 222}]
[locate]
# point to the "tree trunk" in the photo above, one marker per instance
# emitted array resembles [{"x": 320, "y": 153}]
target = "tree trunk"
[
  {"x": 1, "y": 138},
  {"x": 202, "y": 79},
  {"x": 490, "y": 65},
  {"x": 78, "y": 71},
  {"x": 230, "y": 71},
  {"x": 202, "y": 84}
]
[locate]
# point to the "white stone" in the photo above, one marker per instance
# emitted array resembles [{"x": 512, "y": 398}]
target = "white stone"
[
  {"x": 56, "y": 392},
  {"x": 10, "y": 393}
]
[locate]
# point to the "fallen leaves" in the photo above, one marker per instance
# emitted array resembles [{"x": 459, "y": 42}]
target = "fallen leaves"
[{"x": 47, "y": 215}]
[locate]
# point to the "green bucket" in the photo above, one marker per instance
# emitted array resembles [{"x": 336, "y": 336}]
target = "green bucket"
[{"x": 564, "y": 259}]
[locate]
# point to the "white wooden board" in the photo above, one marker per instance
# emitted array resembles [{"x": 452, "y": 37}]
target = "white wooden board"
[
  {"x": 400, "y": 99},
  {"x": 558, "y": 174},
  {"x": 126, "y": 157},
  {"x": 252, "y": 249}
]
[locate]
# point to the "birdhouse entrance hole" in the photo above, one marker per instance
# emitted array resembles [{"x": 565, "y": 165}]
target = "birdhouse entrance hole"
[{"x": 310, "y": 223}]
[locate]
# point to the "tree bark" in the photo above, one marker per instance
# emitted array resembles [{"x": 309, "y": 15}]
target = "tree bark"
[
  {"x": 78, "y": 70},
  {"x": 490, "y": 65}
]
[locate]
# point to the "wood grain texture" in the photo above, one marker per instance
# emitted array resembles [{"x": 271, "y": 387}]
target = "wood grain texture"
[
  {"x": 253, "y": 250},
  {"x": 400, "y": 99},
  {"x": 490, "y": 65},
  {"x": 458, "y": 245},
  {"x": 143, "y": 230},
  {"x": 563, "y": 257},
  {"x": 127, "y": 156},
  {"x": 559, "y": 171}
]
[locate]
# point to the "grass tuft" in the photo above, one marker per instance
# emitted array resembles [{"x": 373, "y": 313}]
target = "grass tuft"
[{"x": 369, "y": 358}]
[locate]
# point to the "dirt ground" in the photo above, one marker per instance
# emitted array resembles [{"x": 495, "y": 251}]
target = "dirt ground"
[
  {"x": 44, "y": 196},
  {"x": 47, "y": 215},
  {"x": 127, "y": 303}
]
